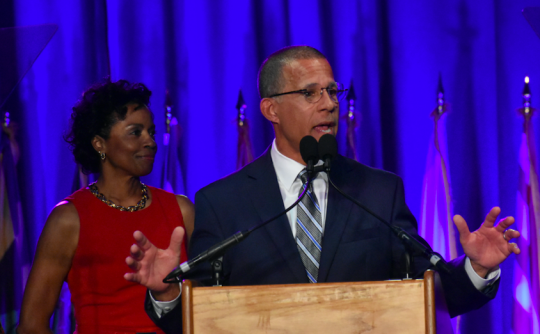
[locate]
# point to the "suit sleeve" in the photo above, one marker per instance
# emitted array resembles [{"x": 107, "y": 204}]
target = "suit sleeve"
[
  {"x": 460, "y": 293},
  {"x": 171, "y": 322},
  {"x": 207, "y": 233},
  {"x": 204, "y": 236}
]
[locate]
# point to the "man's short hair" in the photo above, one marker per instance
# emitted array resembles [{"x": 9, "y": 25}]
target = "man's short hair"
[{"x": 270, "y": 79}]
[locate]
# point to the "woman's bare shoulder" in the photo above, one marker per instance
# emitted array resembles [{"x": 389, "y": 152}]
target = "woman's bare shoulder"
[
  {"x": 188, "y": 213},
  {"x": 64, "y": 215}
]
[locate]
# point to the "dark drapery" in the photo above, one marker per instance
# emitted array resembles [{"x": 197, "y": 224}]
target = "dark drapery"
[{"x": 205, "y": 51}]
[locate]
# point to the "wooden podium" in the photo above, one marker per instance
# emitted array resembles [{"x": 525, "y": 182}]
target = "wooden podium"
[{"x": 409, "y": 306}]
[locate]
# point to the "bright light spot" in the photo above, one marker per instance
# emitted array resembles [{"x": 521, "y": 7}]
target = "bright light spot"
[
  {"x": 523, "y": 294},
  {"x": 527, "y": 79}
]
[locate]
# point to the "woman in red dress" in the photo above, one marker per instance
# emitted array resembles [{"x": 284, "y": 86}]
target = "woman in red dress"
[{"x": 85, "y": 238}]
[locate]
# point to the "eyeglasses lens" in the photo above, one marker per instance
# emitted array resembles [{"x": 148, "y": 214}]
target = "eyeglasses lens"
[{"x": 335, "y": 93}]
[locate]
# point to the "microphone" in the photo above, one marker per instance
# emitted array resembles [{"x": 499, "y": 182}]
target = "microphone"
[
  {"x": 310, "y": 154},
  {"x": 210, "y": 254},
  {"x": 309, "y": 150},
  {"x": 433, "y": 257},
  {"x": 327, "y": 150}
]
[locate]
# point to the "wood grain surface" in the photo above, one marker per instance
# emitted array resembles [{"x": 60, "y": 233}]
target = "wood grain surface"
[{"x": 357, "y": 307}]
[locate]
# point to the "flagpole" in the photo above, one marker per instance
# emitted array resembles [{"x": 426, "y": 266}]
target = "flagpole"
[
  {"x": 166, "y": 141},
  {"x": 168, "y": 112},
  {"x": 442, "y": 107},
  {"x": 352, "y": 123},
  {"x": 436, "y": 225},
  {"x": 244, "y": 150},
  {"x": 172, "y": 178},
  {"x": 15, "y": 248},
  {"x": 527, "y": 266}
]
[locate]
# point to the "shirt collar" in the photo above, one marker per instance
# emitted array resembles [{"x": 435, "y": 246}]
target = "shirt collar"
[{"x": 287, "y": 169}]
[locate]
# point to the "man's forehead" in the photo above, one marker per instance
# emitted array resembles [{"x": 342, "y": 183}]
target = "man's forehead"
[{"x": 308, "y": 72}]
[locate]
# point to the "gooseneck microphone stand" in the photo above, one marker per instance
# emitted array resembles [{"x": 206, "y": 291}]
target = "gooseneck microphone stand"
[
  {"x": 215, "y": 253},
  {"x": 327, "y": 151},
  {"x": 435, "y": 258},
  {"x": 310, "y": 154}
]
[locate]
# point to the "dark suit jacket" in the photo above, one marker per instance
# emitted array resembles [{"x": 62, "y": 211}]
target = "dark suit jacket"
[{"x": 355, "y": 247}]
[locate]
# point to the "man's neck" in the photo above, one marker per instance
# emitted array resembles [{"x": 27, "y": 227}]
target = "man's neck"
[{"x": 289, "y": 152}]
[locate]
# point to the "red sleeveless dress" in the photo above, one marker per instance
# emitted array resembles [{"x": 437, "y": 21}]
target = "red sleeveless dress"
[{"x": 104, "y": 301}]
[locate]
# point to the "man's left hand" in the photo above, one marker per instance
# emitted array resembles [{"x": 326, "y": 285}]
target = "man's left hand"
[{"x": 488, "y": 246}]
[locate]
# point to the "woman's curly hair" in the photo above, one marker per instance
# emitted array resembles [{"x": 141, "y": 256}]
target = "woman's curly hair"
[{"x": 99, "y": 108}]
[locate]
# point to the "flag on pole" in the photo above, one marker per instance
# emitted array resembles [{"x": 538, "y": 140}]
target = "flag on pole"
[
  {"x": 352, "y": 124},
  {"x": 527, "y": 264},
  {"x": 436, "y": 225},
  {"x": 244, "y": 152},
  {"x": 15, "y": 248},
  {"x": 172, "y": 179}
]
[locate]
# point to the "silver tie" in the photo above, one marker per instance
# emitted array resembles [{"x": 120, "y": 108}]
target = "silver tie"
[{"x": 309, "y": 230}]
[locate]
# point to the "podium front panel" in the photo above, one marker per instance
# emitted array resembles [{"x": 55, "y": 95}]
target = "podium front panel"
[{"x": 357, "y": 307}]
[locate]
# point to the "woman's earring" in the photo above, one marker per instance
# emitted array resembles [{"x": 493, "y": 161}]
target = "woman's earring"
[{"x": 102, "y": 155}]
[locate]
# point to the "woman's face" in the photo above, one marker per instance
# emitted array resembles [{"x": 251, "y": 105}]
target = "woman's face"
[{"x": 131, "y": 146}]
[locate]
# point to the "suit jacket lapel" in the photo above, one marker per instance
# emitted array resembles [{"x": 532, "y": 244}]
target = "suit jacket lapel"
[
  {"x": 267, "y": 201},
  {"x": 337, "y": 215}
]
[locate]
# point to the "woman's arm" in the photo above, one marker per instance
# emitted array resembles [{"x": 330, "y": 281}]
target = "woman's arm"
[
  {"x": 55, "y": 250},
  {"x": 188, "y": 212}
]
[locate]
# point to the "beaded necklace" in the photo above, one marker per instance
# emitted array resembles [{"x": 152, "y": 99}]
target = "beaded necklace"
[{"x": 140, "y": 205}]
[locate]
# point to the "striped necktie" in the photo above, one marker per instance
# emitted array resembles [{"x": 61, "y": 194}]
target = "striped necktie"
[{"x": 309, "y": 230}]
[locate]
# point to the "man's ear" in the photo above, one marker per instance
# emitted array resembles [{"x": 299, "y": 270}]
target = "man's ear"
[
  {"x": 99, "y": 144},
  {"x": 268, "y": 109}
]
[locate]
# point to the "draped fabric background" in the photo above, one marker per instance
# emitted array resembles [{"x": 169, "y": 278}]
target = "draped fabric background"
[{"x": 205, "y": 51}]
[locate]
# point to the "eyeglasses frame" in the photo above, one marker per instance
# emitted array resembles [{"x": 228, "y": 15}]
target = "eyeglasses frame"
[{"x": 301, "y": 91}]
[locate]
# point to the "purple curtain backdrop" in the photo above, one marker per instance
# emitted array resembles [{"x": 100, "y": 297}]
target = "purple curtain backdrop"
[{"x": 205, "y": 51}]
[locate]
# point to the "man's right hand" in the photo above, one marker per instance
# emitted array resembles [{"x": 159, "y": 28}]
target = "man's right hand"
[{"x": 150, "y": 264}]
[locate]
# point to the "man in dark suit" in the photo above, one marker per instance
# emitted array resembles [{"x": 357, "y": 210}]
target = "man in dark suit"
[{"x": 300, "y": 97}]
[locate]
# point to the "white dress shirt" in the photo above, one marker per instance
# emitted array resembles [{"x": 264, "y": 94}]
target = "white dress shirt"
[{"x": 287, "y": 171}]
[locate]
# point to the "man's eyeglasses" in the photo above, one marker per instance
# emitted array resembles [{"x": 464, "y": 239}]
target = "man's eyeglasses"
[{"x": 314, "y": 95}]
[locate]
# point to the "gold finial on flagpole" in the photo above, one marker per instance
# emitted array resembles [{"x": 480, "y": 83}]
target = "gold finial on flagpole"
[
  {"x": 442, "y": 105},
  {"x": 168, "y": 111},
  {"x": 527, "y": 110},
  {"x": 241, "y": 107},
  {"x": 440, "y": 96},
  {"x": 351, "y": 99},
  {"x": 526, "y": 97},
  {"x": 6, "y": 119}
]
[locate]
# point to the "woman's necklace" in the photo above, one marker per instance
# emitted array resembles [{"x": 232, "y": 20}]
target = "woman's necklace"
[{"x": 140, "y": 205}]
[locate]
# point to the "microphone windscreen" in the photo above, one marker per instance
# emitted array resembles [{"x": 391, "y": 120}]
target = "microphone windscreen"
[
  {"x": 328, "y": 146},
  {"x": 309, "y": 149}
]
